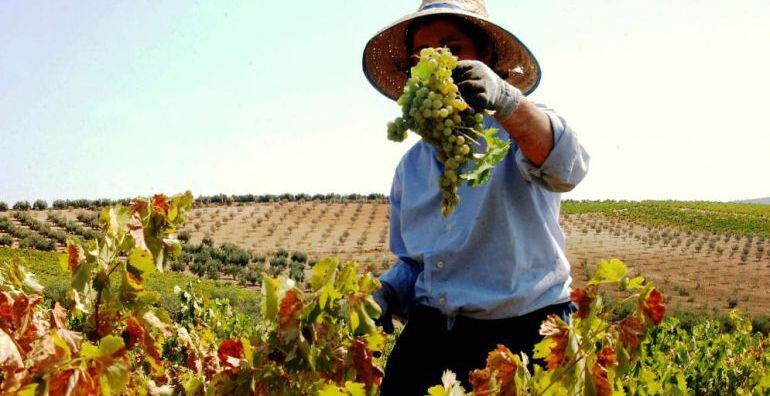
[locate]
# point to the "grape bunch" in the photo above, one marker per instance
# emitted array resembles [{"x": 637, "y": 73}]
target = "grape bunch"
[{"x": 433, "y": 108}]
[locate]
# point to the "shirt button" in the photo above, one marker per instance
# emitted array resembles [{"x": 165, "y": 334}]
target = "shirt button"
[
  {"x": 441, "y": 301},
  {"x": 448, "y": 227},
  {"x": 440, "y": 265}
]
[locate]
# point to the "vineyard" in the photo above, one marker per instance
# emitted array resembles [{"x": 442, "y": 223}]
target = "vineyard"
[
  {"x": 99, "y": 318},
  {"x": 707, "y": 257}
]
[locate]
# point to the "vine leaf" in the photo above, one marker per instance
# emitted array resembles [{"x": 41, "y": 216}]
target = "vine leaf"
[
  {"x": 496, "y": 150},
  {"x": 609, "y": 271}
]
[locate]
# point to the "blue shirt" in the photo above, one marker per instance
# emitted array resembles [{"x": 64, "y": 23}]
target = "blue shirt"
[{"x": 501, "y": 253}]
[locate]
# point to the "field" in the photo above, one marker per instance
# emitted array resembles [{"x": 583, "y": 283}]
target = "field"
[
  {"x": 102, "y": 317},
  {"x": 706, "y": 256}
]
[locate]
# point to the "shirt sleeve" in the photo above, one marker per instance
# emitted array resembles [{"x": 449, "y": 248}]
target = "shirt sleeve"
[
  {"x": 564, "y": 167},
  {"x": 403, "y": 274}
]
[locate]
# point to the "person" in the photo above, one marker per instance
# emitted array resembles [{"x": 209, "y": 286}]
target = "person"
[{"x": 493, "y": 270}]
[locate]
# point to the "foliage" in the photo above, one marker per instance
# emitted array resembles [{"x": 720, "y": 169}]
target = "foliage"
[
  {"x": 42, "y": 228},
  {"x": 118, "y": 341},
  {"x": 703, "y": 360},
  {"x": 37, "y": 242},
  {"x": 22, "y": 205},
  {"x": 45, "y": 265},
  {"x": 40, "y": 205},
  {"x": 721, "y": 217},
  {"x": 71, "y": 226},
  {"x": 299, "y": 257},
  {"x": 587, "y": 356}
]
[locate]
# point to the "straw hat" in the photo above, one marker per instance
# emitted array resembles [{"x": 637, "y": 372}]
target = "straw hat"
[{"x": 386, "y": 60}]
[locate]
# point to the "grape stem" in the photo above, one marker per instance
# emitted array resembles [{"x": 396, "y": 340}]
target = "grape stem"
[{"x": 468, "y": 137}]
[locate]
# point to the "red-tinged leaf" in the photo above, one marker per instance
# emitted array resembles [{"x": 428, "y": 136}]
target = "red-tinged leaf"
[
  {"x": 481, "y": 381},
  {"x": 366, "y": 372},
  {"x": 160, "y": 204},
  {"x": 555, "y": 328},
  {"x": 6, "y": 310},
  {"x": 501, "y": 361},
  {"x": 138, "y": 206},
  {"x": 10, "y": 357},
  {"x": 630, "y": 329},
  {"x": 230, "y": 353},
  {"x": 58, "y": 317},
  {"x": 653, "y": 306},
  {"x": 136, "y": 334},
  {"x": 601, "y": 380},
  {"x": 27, "y": 327},
  {"x": 288, "y": 310},
  {"x": 583, "y": 298},
  {"x": 607, "y": 357},
  {"x": 132, "y": 334},
  {"x": 73, "y": 339},
  {"x": 74, "y": 256},
  {"x": 74, "y": 382},
  {"x": 136, "y": 229}
]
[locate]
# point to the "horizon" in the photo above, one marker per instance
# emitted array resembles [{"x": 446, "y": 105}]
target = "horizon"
[
  {"x": 364, "y": 195},
  {"x": 116, "y": 100}
]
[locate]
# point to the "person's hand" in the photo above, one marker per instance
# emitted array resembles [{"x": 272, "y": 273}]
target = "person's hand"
[
  {"x": 482, "y": 88},
  {"x": 387, "y": 300}
]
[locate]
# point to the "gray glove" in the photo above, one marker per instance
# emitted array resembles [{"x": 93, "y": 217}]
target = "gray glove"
[
  {"x": 482, "y": 88},
  {"x": 387, "y": 299}
]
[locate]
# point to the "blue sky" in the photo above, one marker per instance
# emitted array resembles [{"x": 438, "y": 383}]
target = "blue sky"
[{"x": 116, "y": 99}]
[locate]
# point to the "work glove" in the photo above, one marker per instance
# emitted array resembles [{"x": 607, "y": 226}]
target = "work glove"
[
  {"x": 387, "y": 299},
  {"x": 482, "y": 88}
]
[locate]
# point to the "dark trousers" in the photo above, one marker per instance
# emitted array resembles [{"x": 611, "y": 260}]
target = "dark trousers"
[{"x": 426, "y": 348}]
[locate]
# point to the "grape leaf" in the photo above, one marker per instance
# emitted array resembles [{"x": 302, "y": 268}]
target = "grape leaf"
[
  {"x": 141, "y": 260},
  {"x": 9, "y": 354},
  {"x": 609, "y": 271},
  {"x": 496, "y": 150}
]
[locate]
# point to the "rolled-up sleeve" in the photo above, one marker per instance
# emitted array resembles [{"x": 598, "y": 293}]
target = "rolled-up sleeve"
[
  {"x": 403, "y": 274},
  {"x": 564, "y": 167}
]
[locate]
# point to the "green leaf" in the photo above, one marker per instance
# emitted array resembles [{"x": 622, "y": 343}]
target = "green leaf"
[
  {"x": 115, "y": 377},
  {"x": 331, "y": 390},
  {"x": 109, "y": 345},
  {"x": 543, "y": 348},
  {"x": 496, "y": 150},
  {"x": 355, "y": 388},
  {"x": 354, "y": 320},
  {"x": 322, "y": 272},
  {"x": 635, "y": 283},
  {"x": 327, "y": 296},
  {"x": 347, "y": 282},
  {"x": 375, "y": 341},
  {"x": 609, "y": 271},
  {"x": 142, "y": 261},
  {"x": 270, "y": 298},
  {"x": 82, "y": 276}
]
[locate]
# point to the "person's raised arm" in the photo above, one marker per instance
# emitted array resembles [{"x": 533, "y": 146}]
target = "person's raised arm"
[{"x": 548, "y": 151}]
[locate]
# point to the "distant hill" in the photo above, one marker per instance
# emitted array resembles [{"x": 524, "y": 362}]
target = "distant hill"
[{"x": 765, "y": 200}]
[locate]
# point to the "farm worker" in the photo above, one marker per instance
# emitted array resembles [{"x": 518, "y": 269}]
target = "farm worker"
[{"x": 492, "y": 271}]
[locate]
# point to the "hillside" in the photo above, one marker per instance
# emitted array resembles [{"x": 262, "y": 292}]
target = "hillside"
[
  {"x": 706, "y": 256},
  {"x": 765, "y": 200}
]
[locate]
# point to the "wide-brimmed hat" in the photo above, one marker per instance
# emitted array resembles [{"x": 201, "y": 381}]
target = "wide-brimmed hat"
[{"x": 386, "y": 61}]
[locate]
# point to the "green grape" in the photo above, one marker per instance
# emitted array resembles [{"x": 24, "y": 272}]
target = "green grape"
[{"x": 433, "y": 108}]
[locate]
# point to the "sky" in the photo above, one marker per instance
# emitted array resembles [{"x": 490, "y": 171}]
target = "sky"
[{"x": 120, "y": 99}]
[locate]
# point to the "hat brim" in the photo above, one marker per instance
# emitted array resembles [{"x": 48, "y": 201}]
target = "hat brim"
[{"x": 386, "y": 61}]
